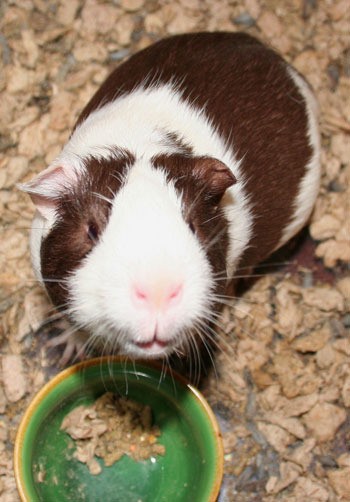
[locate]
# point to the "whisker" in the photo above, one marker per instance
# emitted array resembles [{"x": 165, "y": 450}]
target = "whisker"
[
  {"x": 172, "y": 379},
  {"x": 214, "y": 239},
  {"x": 212, "y": 319},
  {"x": 161, "y": 374},
  {"x": 207, "y": 348},
  {"x": 213, "y": 337},
  {"x": 135, "y": 371},
  {"x": 102, "y": 197},
  {"x": 219, "y": 214},
  {"x": 192, "y": 344},
  {"x": 266, "y": 265},
  {"x": 126, "y": 378},
  {"x": 195, "y": 200},
  {"x": 231, "y": 302}
]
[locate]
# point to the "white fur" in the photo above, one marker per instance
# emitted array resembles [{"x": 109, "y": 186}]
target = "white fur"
[
  {"x": 309, "y": 185},
  {"x": 136, "y": 121},
  {"x": 146, "y": 238},
  {"x": 40, "y": 228},
  {"x": 146, "y": 242}
]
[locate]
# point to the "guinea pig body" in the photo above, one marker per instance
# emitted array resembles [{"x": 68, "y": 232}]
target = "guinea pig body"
[{"x": 198, "y": 155}]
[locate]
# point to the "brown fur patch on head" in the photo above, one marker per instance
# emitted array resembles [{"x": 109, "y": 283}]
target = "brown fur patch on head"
[
  {"x": 175, "y": 141},
  {"x": 202, "y": 182},
  {"x": 245, "y": 91},
  {"x": 82, "y": 214}
]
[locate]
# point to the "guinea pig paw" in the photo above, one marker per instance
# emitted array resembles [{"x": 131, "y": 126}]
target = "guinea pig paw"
[{"x": 74, "y": 344}]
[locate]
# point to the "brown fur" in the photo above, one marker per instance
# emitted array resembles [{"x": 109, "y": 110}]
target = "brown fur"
[
  {"x": 244, "y": 89},
  {"x": 79, "y": 208},
  {"x": 202, "y": 182}
]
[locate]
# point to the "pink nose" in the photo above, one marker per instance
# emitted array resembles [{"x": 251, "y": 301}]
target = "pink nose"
[{"x": 159, "y": 296}]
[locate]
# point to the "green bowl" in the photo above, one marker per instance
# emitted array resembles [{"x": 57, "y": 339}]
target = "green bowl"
[{"x": 191, "y": 469}]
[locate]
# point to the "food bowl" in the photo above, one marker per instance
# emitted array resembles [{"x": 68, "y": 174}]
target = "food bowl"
[{"x": 190, "y": 470}]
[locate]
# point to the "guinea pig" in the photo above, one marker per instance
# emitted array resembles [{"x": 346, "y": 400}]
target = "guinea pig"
[{"x": 197, "y": 156}]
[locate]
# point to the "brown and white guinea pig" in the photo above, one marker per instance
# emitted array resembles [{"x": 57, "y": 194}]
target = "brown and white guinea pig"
[{"x": 198, "y": 155}]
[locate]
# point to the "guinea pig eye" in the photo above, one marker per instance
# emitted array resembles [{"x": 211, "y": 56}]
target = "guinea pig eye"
[
  {"x": 192, "y": 227},
  {"x": 92, "y": 232}
]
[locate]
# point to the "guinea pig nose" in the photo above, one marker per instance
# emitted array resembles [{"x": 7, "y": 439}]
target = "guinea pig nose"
[
  {"x": 140, "y": 293},
  {"x": 175, "y": 292},
  {"x": 158, "y": 295}
]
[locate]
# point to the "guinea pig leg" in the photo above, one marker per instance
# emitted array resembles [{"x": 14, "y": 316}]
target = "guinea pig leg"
[{"x": 74, "y": 343}]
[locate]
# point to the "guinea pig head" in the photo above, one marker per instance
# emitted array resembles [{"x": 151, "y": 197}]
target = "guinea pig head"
[{"x": 135, "y": 252}]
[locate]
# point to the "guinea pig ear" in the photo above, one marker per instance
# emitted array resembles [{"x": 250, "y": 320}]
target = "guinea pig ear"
[
  {"x": 47, "y": 186},
  {"x": 216, "y": 175}
]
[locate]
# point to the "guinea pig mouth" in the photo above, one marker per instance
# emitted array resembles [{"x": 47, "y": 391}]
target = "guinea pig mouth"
[
  {"x": 152, "y": 344},
  {"x": 151, "y": 348}
]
